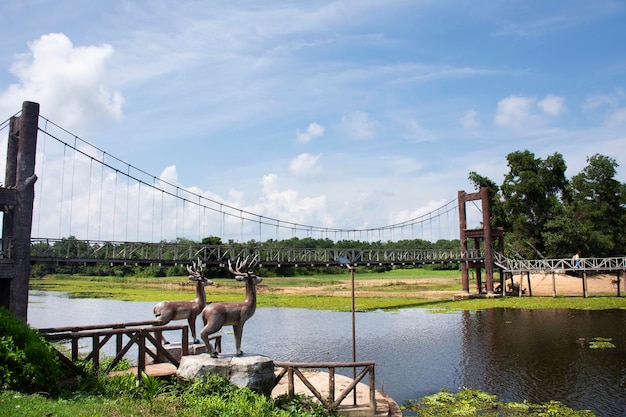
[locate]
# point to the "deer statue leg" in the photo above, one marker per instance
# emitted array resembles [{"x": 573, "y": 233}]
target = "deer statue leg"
[
  {"x": 192, "y": 325},
  {"x": 238, "y": 330},
  {"x": 163, "y": 317},
  {"x": 212, "y": 326}
]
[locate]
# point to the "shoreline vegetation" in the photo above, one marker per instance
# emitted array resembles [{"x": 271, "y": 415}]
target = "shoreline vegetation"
[{"x": 391, "y": 290}]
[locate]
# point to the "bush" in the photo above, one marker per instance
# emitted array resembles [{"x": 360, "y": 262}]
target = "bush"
[{"x": 27, "y": 362}]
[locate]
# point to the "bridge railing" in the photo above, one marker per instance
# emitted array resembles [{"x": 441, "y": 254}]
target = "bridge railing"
[
  {"x": 73, "y": 250},
  {"x": 559, "y": 265}
]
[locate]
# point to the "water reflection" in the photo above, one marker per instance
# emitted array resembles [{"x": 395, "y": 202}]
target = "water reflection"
[
  {"x": 540, "y": 355},
  {"x": 515, "y": 354}
]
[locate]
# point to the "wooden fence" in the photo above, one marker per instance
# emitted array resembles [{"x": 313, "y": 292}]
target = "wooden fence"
[
  {"x": 143, "y": 334},
  {"x": 330, "y": 402}
]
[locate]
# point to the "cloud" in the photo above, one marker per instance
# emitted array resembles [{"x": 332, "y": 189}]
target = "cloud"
[
  {"x": 288, "y": 206},
  {"x": 600, "y": 100},
  {"x": 314, "y": 130},
  {"x": 358, "y": 125},
  {"x": 68, "y": 82},
  {"x": 469, "y": 120},
  {"x": 517, "y": 111},
  {"x": 616, "y": 117},
  {"x": 304, "y": 165},
  {"x": 552, "y": 105},
  {"x": 614, "y": 114}
]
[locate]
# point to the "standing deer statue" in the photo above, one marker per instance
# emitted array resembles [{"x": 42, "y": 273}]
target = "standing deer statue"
[
  {"x": 217, "y": 315},
  {"x": 167, "y": 311}
]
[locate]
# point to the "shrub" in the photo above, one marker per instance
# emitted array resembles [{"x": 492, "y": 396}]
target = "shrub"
[{"x": 27, "y": 362}]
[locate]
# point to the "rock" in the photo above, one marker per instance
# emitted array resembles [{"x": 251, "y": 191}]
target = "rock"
[{"x": 251, "y": 371}]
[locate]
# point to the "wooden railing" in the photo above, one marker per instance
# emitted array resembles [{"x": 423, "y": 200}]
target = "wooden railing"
[
  {"x": 140, "y": 333},
  {"x": 330, "y": 403}
]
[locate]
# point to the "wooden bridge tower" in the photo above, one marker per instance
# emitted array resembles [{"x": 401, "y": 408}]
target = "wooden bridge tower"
[
  {"x": 485, "y": 235},
  {"x": 17, "y": 196}
]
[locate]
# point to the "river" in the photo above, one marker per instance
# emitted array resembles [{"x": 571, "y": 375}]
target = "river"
[{"x": 517, "y": 354}]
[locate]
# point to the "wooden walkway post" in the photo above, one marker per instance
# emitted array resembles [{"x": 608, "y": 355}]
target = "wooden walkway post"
[{"x": 20, "y": 173}]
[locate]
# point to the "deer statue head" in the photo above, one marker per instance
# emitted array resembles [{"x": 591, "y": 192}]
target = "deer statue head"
[
  {"x": 242, "y": 272},
  {"x": 196, "y": 273}
]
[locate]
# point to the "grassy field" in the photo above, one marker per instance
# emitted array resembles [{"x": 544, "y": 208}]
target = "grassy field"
[{"x": 402, "y": 288}]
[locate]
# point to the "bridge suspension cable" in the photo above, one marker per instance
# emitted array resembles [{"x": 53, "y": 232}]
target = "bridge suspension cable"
[{"x": 103, "y": 198}]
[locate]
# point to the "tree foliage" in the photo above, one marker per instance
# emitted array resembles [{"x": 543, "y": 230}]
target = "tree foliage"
[{"x": 545, "y": 214}]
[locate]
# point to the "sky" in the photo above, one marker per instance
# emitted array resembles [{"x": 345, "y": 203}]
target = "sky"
[{"x": 344, "y": 114}]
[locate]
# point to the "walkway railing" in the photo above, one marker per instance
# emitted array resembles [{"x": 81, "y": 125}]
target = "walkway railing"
[
  {"x": 293, "y": 369},
  {"x": 559, "y": 265},
  {"x": 143, "y": 334},
  {"x": 90, "y": 251}
]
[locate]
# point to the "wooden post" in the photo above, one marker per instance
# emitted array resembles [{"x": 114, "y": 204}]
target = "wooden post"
[
  {"x": 618, "y": 284},
  {"x": 530, "y": 288},
  {"x": 7, "y": 221},
  {"x": 553, "y": 284},
  {"x": 484, "y": 197},
  {"x": 23, "y": 215},
  {"x": 463, "y": 238},
  {"x": 584, "y": 283}
]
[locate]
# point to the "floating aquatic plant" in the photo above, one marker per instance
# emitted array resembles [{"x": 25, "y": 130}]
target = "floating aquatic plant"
[{"x": 601, "y": 343}]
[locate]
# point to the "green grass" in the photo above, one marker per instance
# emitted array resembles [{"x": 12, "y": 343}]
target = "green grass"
[{"x": 373, "y": 291}]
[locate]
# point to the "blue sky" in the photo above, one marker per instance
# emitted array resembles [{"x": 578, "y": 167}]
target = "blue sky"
[{"x": 345, "y": 113}]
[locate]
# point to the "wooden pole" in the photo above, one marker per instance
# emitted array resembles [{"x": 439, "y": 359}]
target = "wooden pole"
[
  {"x": 530, "y": 288},
  {"x": 463, "y": 238},
  {"x": 7, "y": 221},
  {"x": 553, "y": 284},
  {"x": 23, "y": 215},
  {"x": 584, "y": 283},
  {"x": 618, "y": 284},
  {"x": 484, "y": 199}
]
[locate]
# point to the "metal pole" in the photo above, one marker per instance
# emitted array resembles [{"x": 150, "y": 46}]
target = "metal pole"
[{"x": 353, "y": 332}]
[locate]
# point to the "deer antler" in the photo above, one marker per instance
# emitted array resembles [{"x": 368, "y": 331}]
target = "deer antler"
[
  {"x": 196, "y": 271},
  {"x": 241, "y": 265}
]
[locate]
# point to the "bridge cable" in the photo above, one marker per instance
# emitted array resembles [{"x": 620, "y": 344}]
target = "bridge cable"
[{"x": 248, "y": 215}]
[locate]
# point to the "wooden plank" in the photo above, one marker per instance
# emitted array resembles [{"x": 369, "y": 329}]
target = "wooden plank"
[
  {"x": 8, "y": 198},
  {"x": 6, "y": 270}
]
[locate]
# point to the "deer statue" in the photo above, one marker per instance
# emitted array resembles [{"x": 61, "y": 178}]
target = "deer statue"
[
  {"x": 167, "y": 311},
  {"x": 217, "y": 315}
]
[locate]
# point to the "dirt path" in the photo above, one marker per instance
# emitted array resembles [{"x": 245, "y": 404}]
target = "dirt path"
[{"x": 542, "y": 284}]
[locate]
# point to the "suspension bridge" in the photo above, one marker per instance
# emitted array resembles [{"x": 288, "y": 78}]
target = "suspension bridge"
[
  {"x": 65, "y": 200},
  {"x": 92, "y": 207}
]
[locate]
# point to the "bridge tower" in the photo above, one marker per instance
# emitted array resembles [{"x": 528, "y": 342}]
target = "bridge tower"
[
  {"x": 17, "y": 196},
  {"x": 485, "y": 235}
]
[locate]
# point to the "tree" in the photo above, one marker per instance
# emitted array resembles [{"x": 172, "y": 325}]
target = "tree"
[
  {"x": 598, "y": 203},
  {"x": 498, "y": 217},
  {"x": 532, "y": 193}
]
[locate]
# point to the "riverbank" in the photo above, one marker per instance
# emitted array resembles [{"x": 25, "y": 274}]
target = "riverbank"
[{"x": 403, "y": 288}]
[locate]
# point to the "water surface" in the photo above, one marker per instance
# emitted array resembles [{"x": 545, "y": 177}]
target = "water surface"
[{"x": 533, "y": 355}]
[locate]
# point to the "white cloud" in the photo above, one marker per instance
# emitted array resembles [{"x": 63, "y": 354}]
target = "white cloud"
[
  {"x": 469, "y": 120},
  {"x": 616, "y": 117},
  {"x": 518, "y": 111},
  {"x": 314, "y": 130},
  {"x": 304, "y": 165},
  {"x": 288, "y": 206},
  {"x": 514, "y": 111},
  {"x": 552, "y": 105},
  {"x": 600, "y": 100},
  {"x": 610, "y": 104},
  {"x": 358, "y": 125},
  {"x": 68, "y": 82}
]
